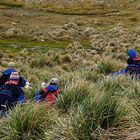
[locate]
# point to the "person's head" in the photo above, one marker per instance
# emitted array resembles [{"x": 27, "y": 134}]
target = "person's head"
[
  {"x": 131, "y": 54},
  {"x": 11, "y": 64},
  {"x": 54, "y": 81},
  {"x": 14, "y": 76}
]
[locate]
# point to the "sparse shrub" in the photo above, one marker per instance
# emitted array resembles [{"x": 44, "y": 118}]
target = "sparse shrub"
[
  {"x": 66, "y": 59},
  {"x": 60, "y": 59},
  {"x": 50, "y": 63},
  {"x": 57, "y": 59},
  {"x": 66, "y": 67},
  {"x": 38, "y": 62}
]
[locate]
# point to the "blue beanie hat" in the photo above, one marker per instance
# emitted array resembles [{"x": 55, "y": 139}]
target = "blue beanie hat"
[{"x": 132, "y": 54}]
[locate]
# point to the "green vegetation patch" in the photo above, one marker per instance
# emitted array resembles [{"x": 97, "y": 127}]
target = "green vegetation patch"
[{"x": 17, "y": 43}]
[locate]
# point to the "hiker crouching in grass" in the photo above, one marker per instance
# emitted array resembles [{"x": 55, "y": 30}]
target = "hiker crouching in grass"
[
  {"x": 11, "y": 94},
  {"x": 6, "y": 74},
  {"x": 133, "y": 66},
  {"x": 131, "y": 55},
  {"x": 49, "y": 93}
]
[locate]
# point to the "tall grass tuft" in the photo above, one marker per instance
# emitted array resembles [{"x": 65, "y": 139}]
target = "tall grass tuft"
[
  {"x": 108, "y": 65},
  {"x": 117, "y": 86},
  {"x": 74, "y": 93},
  {"x": 89, "y": 73},
  {"x": 38, "y": 63},
  {"x": 28, "y": 122}
]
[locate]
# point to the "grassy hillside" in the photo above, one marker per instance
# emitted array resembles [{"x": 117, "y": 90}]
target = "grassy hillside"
[{"x": 80, "y": 43}]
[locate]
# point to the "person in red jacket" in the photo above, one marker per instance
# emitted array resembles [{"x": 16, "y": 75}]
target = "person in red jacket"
[{"x": 49, "y": 93}]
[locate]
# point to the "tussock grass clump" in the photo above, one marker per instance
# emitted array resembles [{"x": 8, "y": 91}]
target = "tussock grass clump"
[
  {"x": 74, "y": 94},
  {"x": 135, "y": 91},
  {"x": 66, "y": 67},
  {"x": 104, "y": 67},
  {"x": 116, "y": 84},
  {"x": 26, "y": 122},
  {"x": 108, "y": 65},
  {"x": 120, "y": 86},
  {"x": 90, "y": 74},
  {"x": 38, "y": 63},
  {"x": 60, "y": 59},
  {"x": 100, "y": 111},
  {"x": 135, "y": 113}
]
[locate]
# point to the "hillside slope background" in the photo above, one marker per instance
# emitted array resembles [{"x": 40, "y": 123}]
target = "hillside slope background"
[{"x": 80, "y": 42}]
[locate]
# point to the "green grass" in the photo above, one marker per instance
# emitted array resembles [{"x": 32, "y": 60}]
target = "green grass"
[
  {"x": 15, "y": 44},
  {"x": 81, "y": 112},
  {"x": 21, "y": 43},
  {"x": 96, "y": 110}
]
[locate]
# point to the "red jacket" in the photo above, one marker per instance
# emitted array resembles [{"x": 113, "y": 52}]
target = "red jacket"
[{"x": 51, "y": 92}]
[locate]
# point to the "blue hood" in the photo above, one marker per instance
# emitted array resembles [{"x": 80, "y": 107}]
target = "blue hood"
[
  {"x": 132, "y": 54},
  {"x": 8, "y": 71},
  {"x": 52, "y": 88}
]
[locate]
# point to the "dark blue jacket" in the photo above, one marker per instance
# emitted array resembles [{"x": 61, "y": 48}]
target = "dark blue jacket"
[{"x": 15, "y": 92}]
